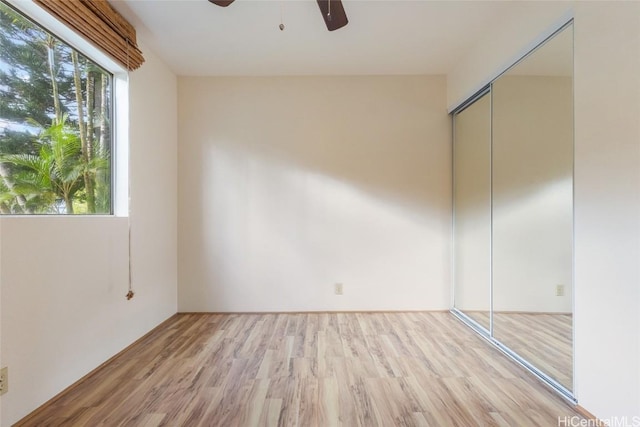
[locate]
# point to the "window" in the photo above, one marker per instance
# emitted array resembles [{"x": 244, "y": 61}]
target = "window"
[{"x": 55, "y": 124}]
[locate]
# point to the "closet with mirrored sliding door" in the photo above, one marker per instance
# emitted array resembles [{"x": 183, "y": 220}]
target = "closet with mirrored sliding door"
[{"x": 513, "y": 211}]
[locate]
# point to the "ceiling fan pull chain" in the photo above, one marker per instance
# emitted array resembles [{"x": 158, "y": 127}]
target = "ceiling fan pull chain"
[
  {"x": 329, "y": 12},
  {"x": 281, "y": 26}
]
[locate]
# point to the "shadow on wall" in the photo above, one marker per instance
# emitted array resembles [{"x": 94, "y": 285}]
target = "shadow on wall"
[{"x": 285, "y": 191}]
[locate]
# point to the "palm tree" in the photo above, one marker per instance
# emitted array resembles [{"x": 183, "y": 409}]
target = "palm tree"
[
  {"x": 38, "y": 174},
  {"x": 56, "y": 174}
]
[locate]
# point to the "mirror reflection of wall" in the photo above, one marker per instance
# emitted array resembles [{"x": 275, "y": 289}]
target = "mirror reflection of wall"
[
  {"x": 525, "y": 224},
  {"x": 472, "y": 200},
  {"x": 533, "y": 207}
]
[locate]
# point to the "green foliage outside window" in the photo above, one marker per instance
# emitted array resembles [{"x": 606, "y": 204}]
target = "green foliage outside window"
[{"x": 55, "y": 124}]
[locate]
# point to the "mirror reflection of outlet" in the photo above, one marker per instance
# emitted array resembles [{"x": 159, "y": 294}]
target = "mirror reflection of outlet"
[
  {"x": 559, "y": 290},
  {"x": 338, "y": 289},
  {"x": 4, "y": 380}
]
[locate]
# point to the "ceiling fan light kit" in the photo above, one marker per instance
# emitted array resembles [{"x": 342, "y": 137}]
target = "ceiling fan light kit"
[{"x": 332, "y": 12}]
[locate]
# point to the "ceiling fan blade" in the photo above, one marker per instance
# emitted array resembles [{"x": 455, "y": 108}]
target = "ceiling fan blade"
[
  {"x": 223, "y": 3},
  {"x": 333, "y": 14}
]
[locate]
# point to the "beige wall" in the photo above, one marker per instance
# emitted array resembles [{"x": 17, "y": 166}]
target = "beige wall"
[
  {"x": 503, "y": 44},
  {"x": 607, "y": 201},
  {"x": 56, "y": 325},
  {"x": 607, "y": 185},
  {"x": 532, "y": 158},
  {"x": 288, "y": 185}
]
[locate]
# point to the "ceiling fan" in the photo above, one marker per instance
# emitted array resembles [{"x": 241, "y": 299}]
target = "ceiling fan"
[{"x": 332, "y": 12}]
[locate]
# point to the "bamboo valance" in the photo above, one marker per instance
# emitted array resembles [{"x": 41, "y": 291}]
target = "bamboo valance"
[{"x": 102, "y": 25}]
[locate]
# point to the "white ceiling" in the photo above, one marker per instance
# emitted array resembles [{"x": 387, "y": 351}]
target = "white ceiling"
[{"x": 195, "y": 37}]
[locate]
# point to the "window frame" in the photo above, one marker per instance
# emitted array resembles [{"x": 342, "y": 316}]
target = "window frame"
[{"x": 119, "y": 162}]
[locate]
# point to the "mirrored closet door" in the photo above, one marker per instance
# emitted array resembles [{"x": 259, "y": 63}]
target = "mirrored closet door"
[
  {"x": 472, "y": 210},
  {"x": 513, "y": 211}
]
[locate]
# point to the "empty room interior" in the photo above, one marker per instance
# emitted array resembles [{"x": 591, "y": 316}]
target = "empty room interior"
[{"x": 319, "y": 213}]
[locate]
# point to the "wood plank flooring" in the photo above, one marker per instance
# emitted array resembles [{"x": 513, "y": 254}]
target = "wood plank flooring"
[
  {"x": 544, "y": 339},
  {"x": 325, "y": 369}
]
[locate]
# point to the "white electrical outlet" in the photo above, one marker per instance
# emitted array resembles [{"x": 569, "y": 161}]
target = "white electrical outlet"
[
  {"x": 559, "y": 290},
  {"x": 4, "y": 380},
  {"x": 338, "y": 289}
]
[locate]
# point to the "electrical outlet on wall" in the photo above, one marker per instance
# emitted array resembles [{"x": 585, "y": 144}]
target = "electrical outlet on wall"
[
  {"x": 559, "y": 290},
  {"x": 4, "y": 380},
  {"x": 338, "y": 289}
]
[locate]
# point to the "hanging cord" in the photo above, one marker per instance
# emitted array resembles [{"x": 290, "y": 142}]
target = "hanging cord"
[
  {"x": 329, "y": 12},
  {"x": 130, "y": 292},
  {"x": 281, "y": 26}
]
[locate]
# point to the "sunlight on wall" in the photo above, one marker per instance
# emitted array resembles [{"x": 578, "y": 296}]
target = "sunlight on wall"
[
  {"x": 280, "y": 221},
  {"x": 285, "y": 193}
]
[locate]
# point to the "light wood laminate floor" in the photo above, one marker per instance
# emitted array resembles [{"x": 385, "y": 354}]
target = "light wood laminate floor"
[
  {"x": 543, "y": 339},
  {"x": 325, "y": 369}
]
